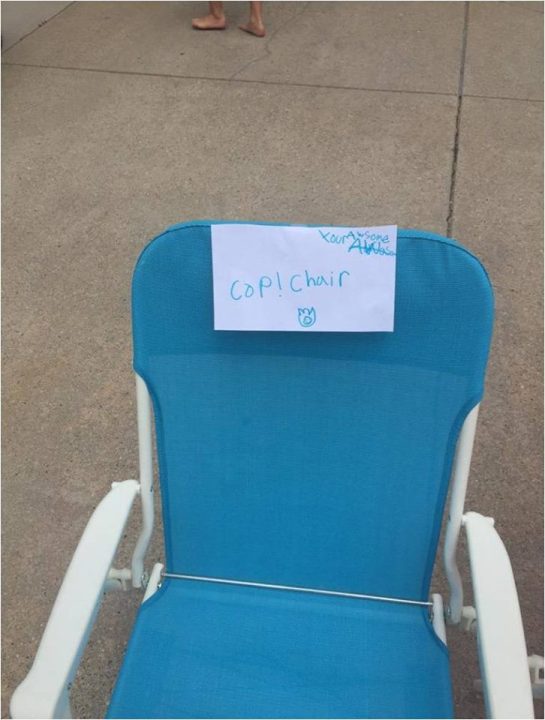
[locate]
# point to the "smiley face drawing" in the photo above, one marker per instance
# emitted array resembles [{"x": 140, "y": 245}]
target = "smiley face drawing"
[{"x": 306, "y": 317}]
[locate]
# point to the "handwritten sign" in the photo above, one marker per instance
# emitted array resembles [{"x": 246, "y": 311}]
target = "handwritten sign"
[{"x": 322, "y": 279}]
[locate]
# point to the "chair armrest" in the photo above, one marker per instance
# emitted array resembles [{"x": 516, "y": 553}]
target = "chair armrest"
[
  {"x": 44, "y": 691},
  {"x": 502, "y": 647}
]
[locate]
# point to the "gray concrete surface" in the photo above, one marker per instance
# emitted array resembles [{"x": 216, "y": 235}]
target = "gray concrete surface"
[
  {"x": 119, "y": 120},
  {"x": 21, "y": 18}
]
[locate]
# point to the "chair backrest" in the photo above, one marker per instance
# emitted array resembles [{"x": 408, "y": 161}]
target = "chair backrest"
[{"x": 320, "y": 459}]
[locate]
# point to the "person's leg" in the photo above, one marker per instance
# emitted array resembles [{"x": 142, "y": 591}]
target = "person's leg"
[
  {"x": 215, "y": 20},
  {"x": 255, "y": 24}
]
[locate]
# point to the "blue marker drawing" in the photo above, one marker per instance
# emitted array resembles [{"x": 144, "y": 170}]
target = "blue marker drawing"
[{"x": 306, "y": 317}]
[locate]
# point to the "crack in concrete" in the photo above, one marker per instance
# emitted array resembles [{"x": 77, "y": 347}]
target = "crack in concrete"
[
  {"x": 456, "y": 147},
  {"x": 38, "y": 27},
  {"x": 262, "y": 56}
]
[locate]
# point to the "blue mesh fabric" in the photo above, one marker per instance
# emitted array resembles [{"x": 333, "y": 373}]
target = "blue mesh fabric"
[
  {"x": 317, "y": 459},
  {"x": 203, "y": 651}
]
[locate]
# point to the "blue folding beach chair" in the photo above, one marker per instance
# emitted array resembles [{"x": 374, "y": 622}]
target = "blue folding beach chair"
[{"x": 303, "y": 481}]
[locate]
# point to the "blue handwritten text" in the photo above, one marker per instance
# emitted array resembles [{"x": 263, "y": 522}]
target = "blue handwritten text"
[
  {"x": 298, "y": 282},
  {"x": 366, "y": 242}
]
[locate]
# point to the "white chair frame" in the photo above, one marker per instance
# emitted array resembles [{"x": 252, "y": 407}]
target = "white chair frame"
[{"x": 506, "y": 684}]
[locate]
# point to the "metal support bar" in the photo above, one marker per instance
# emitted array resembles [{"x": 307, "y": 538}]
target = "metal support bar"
[{"x": 315, "y": 591}]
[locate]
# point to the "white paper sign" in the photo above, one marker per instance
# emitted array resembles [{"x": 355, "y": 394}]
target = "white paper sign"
[{"x": 268, "y": 277}]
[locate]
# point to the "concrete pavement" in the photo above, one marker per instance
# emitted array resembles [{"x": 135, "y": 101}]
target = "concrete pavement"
[{"x": 119, "y": 120}]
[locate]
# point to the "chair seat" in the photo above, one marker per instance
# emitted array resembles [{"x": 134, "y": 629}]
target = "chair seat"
[{"x": 203, "y": 650}]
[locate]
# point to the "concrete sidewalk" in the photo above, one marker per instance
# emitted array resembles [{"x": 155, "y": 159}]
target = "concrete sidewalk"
[{"x": 119, "y": 120}]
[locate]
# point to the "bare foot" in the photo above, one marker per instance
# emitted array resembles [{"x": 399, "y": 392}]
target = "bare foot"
[
  {"x": 209, "y": 22},
  {"x": 254, "y": 28}
]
